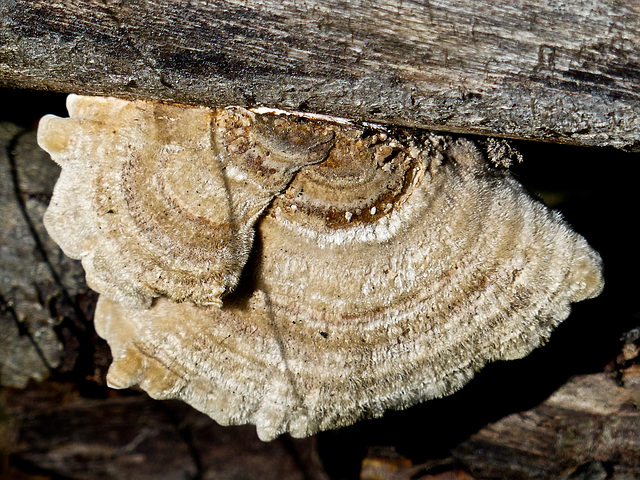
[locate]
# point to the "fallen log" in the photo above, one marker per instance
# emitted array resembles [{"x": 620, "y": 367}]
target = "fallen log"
[{"x": 562, "y": 72}]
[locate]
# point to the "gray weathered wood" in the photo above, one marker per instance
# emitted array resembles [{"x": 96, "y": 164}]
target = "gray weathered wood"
[
  {"x": 539, "y": 69},
  {"x": 587, "y": 429}
]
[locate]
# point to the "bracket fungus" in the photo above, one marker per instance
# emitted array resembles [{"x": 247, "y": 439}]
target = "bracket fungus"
[{"x": 300, "y": 274}]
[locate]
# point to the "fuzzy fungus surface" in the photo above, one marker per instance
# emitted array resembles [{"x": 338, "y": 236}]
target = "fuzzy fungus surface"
[{"x": 301, "y": 274}]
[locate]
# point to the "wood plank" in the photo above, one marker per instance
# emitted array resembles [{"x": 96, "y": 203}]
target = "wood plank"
[{"x": 533, "y": 69}]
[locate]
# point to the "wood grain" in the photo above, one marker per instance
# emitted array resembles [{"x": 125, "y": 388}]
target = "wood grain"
[{"x": 556, "y": 71}]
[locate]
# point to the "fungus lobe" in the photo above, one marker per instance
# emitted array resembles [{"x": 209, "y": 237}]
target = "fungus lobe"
[{"x": 300, "y": 274}]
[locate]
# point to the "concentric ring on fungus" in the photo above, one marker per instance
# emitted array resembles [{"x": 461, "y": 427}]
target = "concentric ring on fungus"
[{"x": 373, "y": 268}]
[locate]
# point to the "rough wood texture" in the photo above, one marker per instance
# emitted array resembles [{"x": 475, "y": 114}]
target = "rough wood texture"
[
  {"x": 34, "y": 274},
  {"x": 587, "y": 429},
  {"x": 61, "y": 434},
  {"x": 559, "y": 71},
  {"x": 589, "y": 423}
]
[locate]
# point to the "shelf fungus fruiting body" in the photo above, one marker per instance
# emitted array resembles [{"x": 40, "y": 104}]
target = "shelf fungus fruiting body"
[{"x": 299, "y": 274}]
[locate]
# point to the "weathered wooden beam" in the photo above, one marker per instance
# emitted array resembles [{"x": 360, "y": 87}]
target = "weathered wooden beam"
[{"x": 536, "y": 69}]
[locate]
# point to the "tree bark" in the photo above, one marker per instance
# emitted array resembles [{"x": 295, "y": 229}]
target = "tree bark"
[{"x": 565, "y": 72}]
